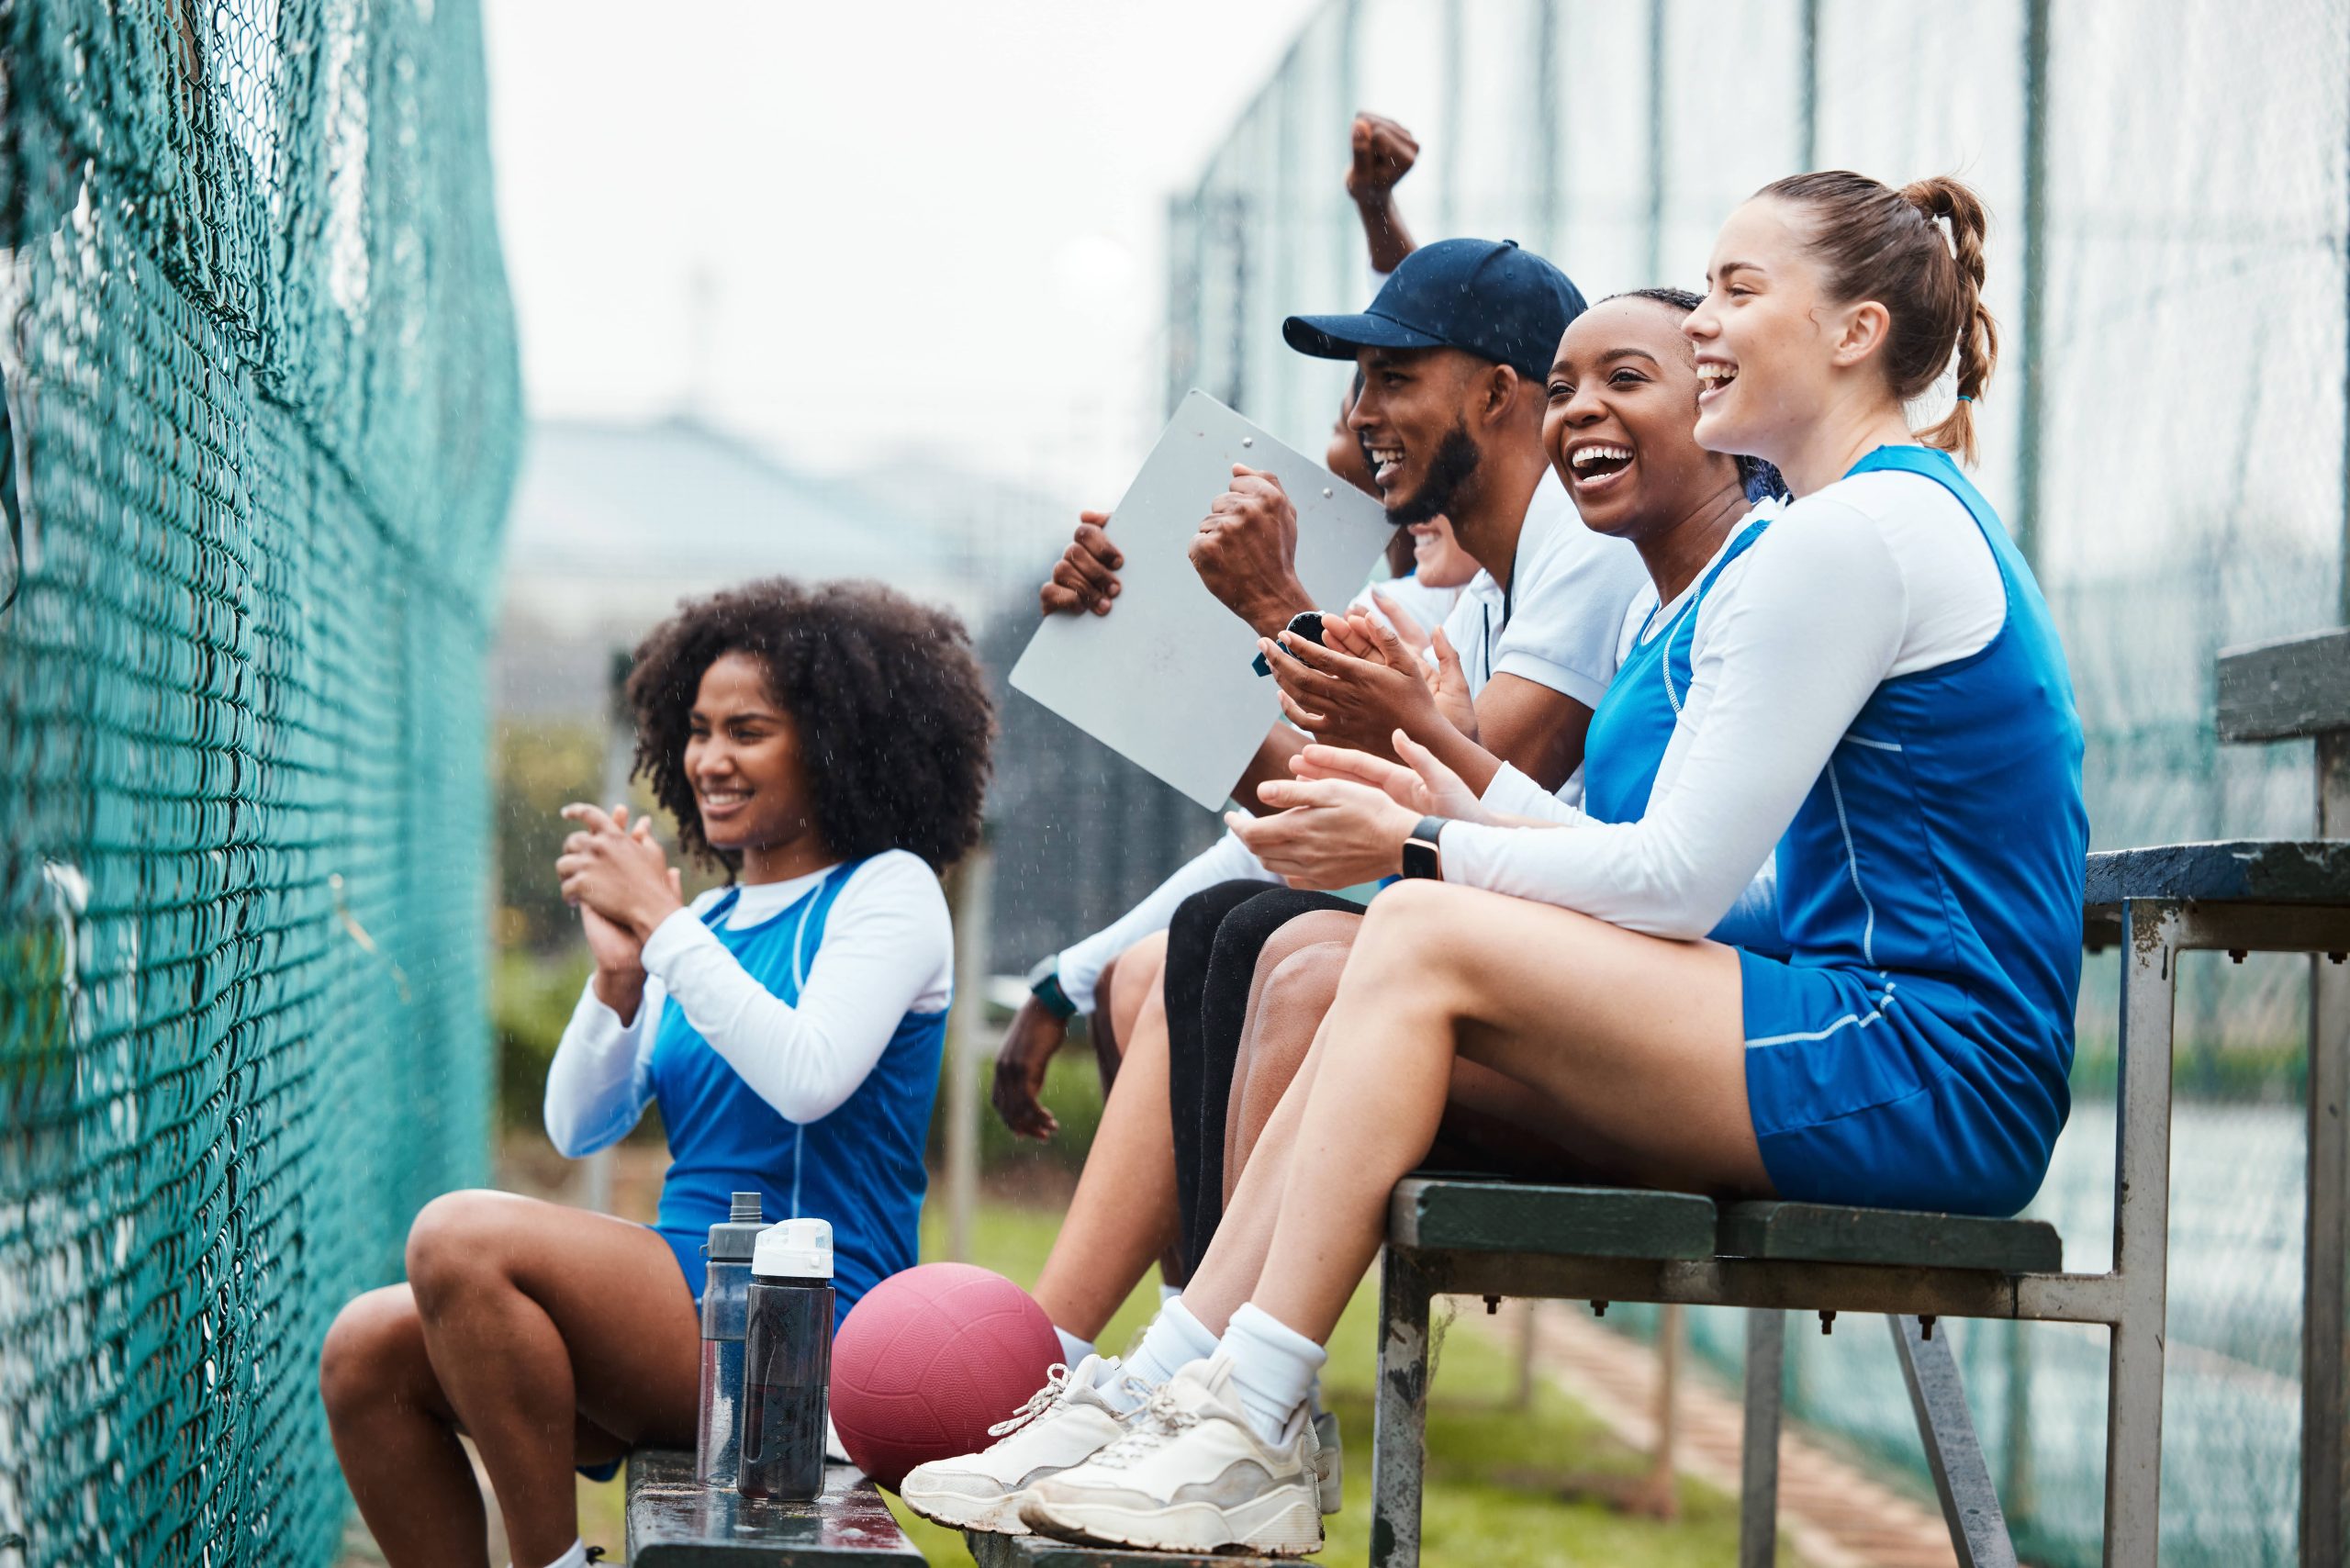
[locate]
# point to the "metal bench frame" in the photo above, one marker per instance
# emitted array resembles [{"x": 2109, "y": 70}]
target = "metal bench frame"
[{"x": 2152, "y": 904}]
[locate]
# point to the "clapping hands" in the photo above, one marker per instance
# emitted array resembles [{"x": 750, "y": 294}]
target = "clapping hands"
[{"x": 1344, "y": 818}]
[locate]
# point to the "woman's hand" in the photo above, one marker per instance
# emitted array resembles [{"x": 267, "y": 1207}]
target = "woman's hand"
[
  {"x": 619, "y": 874},
  {"x": 1346, "y": 699},
  {"x": 1427, "y": 788},
  {"x": 1327, "y": 832}
]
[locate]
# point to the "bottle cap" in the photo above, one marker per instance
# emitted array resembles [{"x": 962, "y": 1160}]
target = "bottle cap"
[
  {"x": 794, "y": 1249},
  {"x": 731, "y": 1241}
]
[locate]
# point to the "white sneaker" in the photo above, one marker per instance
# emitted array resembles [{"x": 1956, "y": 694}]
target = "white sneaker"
[
  {"x": 1189, "y": 1474},
  {"x": 1328, "y": 1461},
  {"x": 1064, "y": 1423}
]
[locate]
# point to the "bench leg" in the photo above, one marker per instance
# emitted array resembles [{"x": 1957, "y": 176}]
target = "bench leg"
[
  {"x": 1399, "y": 1420},
  {"x": 1978, "y": 1528},
  {"x": 2133, "y": 1407},
  {"x": 1757, "y": 1459}
]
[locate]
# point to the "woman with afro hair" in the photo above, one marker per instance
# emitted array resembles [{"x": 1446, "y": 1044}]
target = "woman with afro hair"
[{"x": 827, "y": 746}]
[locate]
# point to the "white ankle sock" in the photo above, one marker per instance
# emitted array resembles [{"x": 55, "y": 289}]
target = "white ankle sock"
[
  {"x": 1169, "y": 1292},
  {"x": 575, "y": 1558},
  {"x": 1273, "y": 1368},
  {"x": 1073, "y": 1350},
  {"x": 1175, "y": 1339}
]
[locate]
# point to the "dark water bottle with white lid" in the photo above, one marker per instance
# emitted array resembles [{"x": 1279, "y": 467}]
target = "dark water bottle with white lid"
[
  {"x": 787, "y": 1361},
  {"x": 725, "y": 1306}
]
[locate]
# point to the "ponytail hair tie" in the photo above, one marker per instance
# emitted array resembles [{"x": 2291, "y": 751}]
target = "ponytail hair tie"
[{"x": 1966, "y": 396}]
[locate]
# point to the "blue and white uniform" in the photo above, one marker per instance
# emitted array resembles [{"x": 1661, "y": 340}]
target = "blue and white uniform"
[
  {"x": 790, "y": 1034},
  {"x": 1879, "y": 681}
]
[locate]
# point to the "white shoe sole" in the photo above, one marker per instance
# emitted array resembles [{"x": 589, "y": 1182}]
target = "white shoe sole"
[
  {"x": 1287, "y": 1523},
  {"x": 991, "y": 1516}
]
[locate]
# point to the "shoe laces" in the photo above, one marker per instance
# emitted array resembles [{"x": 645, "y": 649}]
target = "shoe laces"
[
  {"x": 1044, "y": 1399},
  {"x": 1158, "y": 1419}
]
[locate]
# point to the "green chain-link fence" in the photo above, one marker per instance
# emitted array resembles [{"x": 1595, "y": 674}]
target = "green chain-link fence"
[
  {"x": 2167, "y": 434},
  {"x": 262, "y": 407}
]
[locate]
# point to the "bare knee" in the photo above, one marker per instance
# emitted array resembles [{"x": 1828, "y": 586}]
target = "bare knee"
[
  {"x": 1135, "y": 977},
  {"x": 1297, "y": 994},
  {"x": 369, "y": 1352},
  {"x": 1411, "y": 935},
  {"x": 457, "y": 1244}
]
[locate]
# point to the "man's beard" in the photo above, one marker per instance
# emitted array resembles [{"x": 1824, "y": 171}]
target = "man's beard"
[{"x": 1450, "y": 471}]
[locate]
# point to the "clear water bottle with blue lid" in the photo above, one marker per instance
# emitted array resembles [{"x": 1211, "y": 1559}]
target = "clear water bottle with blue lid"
[{"x": 725, "y": 1308}]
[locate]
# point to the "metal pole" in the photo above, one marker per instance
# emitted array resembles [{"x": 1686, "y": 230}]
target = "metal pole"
[
  {"x": 1549, "y": 157},
  {"x": 1448, "y": 150},
  {"x": 1978, "y": 1530},
  {"x": 1655, "y": 267},
  {"x": 619, "y": 766},
  {"x": 2015, "y": 1484},
  {"x": 2326, "y": 1316},
  {"x": 2133, "y": 1411},
  {"x": 1758, "y": 1490},
  {"x": 1807, "y": 152},
  {"x": 968, "y": 889},
  {"x": 2025, "y": 525}
]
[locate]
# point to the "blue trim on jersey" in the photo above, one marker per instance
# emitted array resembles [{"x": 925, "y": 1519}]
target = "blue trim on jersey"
[
  {"x": 1634, "y": 721},
  {"x": 1914, "y": 1051},
  {"x": 861, "y": 1166}
]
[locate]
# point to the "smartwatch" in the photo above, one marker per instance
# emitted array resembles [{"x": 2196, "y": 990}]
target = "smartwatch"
[
  {"x": 1421, "y": 855},
  {"x": 1044, "y": 985},
  {"x": 1305, "y": 623}
]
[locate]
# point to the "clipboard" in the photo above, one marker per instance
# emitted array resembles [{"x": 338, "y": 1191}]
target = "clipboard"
[{"x": 1165, "y": 679}]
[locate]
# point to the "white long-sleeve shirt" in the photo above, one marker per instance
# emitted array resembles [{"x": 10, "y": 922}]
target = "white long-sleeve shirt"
[
  {"x": 888, "y": 949},
  {"x": 1872, "y": 577}
]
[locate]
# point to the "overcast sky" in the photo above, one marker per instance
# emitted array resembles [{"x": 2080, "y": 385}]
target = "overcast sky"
[{"x": 922, "y": 225}]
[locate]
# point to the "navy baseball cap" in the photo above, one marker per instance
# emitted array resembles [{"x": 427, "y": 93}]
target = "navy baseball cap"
[{"x": 1484, "y": 297}]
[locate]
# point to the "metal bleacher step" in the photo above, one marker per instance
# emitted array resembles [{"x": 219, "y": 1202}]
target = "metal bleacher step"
[
  {"x": 674, "y": 1523},
  {"x": 1036, "y": 1552},
  {"x": 1437, "y": 1213},
  {"x": 1902, "y": 1239}
]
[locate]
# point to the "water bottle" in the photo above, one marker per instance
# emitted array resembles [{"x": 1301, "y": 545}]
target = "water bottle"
[
  {"x": 725, "y": 1307},
  {"x": 787, "y": 1361}
]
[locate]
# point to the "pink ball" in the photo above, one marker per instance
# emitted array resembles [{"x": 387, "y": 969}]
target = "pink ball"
[{"x": 928, "y": 1359}]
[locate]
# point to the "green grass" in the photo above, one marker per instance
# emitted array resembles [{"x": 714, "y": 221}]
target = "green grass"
[{"x": 1491, "y": 1500}]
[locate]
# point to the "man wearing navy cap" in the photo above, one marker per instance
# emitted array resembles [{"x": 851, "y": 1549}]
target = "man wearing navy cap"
[{"x": 1454, "y": 352}]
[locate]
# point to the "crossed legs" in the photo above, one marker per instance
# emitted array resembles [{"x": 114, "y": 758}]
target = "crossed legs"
[{"x": 551, "y": 1335}]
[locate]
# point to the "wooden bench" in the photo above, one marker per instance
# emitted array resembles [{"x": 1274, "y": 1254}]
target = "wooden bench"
[
  {"x": 672, "y": 1523},
  {"x": 1478, "y": 1238}
]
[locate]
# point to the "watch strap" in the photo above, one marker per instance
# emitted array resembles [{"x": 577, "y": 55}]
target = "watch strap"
[
  {"x": 1044, "y": 985},
  {"x": 1422, "y": 855}
]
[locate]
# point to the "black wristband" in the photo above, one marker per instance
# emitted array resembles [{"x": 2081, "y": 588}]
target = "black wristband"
[
  {"x": 1423, "y": 857},
  {"x": 1044, "y": 985}
]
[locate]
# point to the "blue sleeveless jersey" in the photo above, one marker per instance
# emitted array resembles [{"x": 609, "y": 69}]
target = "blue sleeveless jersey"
[
  {"x": 860, "y": 1168},
  {"x": 1914, "y": 1051},
  {"x": 1634, "y": 721}
]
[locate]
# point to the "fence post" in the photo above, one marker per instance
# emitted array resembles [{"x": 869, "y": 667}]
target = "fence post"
[{"x": 967, "y": 892}]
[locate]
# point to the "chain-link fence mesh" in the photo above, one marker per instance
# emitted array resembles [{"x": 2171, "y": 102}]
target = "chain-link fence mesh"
[
  {"x": 262, "y": 408},
  {"x": 2167, "y": 434}
]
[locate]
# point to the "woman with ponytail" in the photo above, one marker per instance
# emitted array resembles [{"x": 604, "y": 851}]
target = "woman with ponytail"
[{"x": 1874, "y": 697}]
